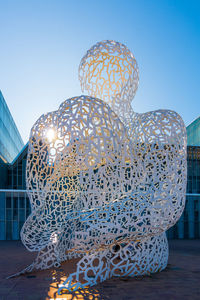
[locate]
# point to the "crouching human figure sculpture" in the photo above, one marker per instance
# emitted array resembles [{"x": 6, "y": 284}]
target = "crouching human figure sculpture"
[{"x": 104, "y": 182}]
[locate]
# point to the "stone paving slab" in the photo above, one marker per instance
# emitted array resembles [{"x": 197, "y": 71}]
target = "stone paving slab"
[{"x": 179, "y": 281}]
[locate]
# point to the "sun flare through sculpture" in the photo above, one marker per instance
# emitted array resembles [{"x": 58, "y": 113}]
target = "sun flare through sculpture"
[{"x": 104, "y": 182}]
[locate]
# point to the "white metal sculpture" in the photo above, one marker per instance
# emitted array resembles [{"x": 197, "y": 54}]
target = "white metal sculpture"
[{"x": 105, "y": 183}]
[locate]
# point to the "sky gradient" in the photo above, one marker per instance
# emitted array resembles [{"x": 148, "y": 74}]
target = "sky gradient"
[{"x": 42, "y": 43}]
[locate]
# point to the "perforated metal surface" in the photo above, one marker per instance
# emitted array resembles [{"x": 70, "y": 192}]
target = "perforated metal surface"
[{"x": 104, "y": 183}]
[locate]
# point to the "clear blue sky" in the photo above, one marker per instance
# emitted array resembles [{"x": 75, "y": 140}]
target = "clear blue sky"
[{"x": 43, "y": 41}]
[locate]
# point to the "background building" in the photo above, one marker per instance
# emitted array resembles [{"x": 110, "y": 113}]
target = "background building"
[
  {"x": 193, "y": 133},
  {"x": 14, "y": 202},
  {"x": 10, "y": 140},
  {"x": 188, "y": 225}
]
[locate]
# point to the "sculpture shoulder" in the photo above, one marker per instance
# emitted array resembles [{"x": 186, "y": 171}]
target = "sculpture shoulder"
[
  {"x": 160, "y": 125},
  {"x": 162, "y": 117}
]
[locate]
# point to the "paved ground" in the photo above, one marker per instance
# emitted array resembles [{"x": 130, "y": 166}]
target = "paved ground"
[{"x": 181, "y": 279}]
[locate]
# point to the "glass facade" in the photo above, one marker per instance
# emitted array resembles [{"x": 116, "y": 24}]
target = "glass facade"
[
  {"x": 189, "y": 224},
  {"x": 193, "y": 133},
  {"x": 16, "y": 172},
  {"x": 14, "y": 202},
  {"x": 10, "y": 140},
  {"x": 193, "y": 179},
  {"x": 14, "y": 210}
]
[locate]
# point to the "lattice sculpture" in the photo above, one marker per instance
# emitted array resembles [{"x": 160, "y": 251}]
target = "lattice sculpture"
[{"x": 104, "y": 184}]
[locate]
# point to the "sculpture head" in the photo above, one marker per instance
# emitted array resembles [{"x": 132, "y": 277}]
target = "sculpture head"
[{"x": 109, "y": 71}]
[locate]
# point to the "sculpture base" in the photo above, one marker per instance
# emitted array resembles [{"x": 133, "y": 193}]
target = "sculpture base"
[{"x": 132, "y": 259}]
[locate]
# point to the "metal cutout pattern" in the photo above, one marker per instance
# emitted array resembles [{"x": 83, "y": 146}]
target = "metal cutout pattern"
[
  {"x": 109, "y": 71},
  {"x": 82, "y": 159},
  {"x": 144, "y": 257},
  {"x": 104, "y": 186}
]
